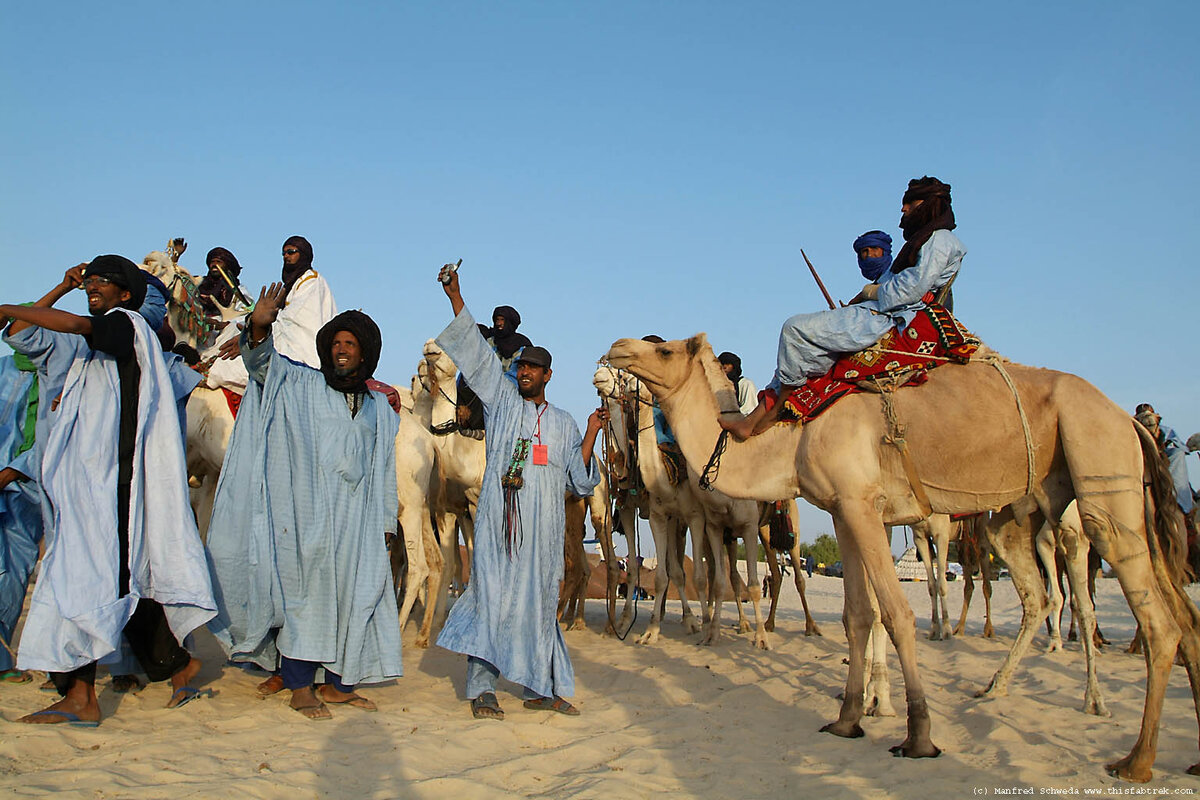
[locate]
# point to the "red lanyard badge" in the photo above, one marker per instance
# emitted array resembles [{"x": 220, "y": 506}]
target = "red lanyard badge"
[{"x": 541, "y": 453}]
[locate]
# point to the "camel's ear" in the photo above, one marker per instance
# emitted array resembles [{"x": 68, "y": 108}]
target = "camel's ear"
[{"x": 696, "y": 343}]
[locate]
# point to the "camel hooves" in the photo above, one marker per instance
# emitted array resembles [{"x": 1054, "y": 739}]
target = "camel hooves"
[
  {"x": 1122, "y": 769},
  {"x": 850, "y": 730},
  {"x": 907, "y": 750}
]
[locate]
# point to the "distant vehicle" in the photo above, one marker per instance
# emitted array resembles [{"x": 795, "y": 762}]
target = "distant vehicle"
[
  {"x": 954, "y": 572},
  {"x": 834, "y": 570}
]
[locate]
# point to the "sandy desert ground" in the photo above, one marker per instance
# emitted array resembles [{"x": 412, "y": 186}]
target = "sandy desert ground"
[{"x": 668, "y": 720}]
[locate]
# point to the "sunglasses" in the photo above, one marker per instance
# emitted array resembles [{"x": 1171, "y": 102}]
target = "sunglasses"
[
  {"x": 291, "y": 251},
  {"x": 97, "y": 280}
]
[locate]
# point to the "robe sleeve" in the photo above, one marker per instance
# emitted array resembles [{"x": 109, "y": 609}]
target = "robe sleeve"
[
  {"x": 257, "y": 359},
  {"x": 475, "y": 359},
  {"x": 937, "y": 263},
  {"x": 581, "y": 480}
]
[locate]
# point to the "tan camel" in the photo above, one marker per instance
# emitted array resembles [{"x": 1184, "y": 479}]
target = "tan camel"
[
  {"x": 671, "y": 507},
  {"x": 417, "y": 488},
  {"x": 935, "y": 533},
  {"x": 766, "y": 510},
  {"x": 975, "y": 555},
  {"x": 976, "y": 444}
]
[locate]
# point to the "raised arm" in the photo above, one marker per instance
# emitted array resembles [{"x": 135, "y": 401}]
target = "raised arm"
[
  {"x": 258, "y": 330},
  {"x": 26, "y": 316}
]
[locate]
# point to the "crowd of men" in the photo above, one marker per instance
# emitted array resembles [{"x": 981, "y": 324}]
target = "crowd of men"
[{"x": 294, "y": 577}]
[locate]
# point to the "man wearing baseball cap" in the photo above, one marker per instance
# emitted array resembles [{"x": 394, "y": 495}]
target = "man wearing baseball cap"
[{"x": 505, "y": 622}]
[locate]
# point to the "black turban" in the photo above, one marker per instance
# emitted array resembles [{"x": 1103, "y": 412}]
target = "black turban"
[
  {"x": 290, "y": 274},
  {"x": 918, "y": 225},
  {"x": 370, "y": 342},
  {"x": 507, "y": 341},
  {"x": 124, "y": 273},
  {"x": 731, "y": 359},
  {"x": 213, "y": 289},
  {"x": 227, "y": 259}
]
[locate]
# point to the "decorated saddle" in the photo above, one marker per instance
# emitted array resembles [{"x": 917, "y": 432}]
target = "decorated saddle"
[{"x": 900, "y": 358}]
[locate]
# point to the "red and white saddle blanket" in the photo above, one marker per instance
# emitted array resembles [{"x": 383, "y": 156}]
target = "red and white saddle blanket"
[{"x": 934, "y": 338}]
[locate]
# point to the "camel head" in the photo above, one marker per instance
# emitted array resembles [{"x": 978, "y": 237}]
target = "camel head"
[
  {"x": 664, "y": 368},
  {"x": 605, "y": 380},
  {"x": 160, "y": 265},
  {"x": 439, "y": 369}
]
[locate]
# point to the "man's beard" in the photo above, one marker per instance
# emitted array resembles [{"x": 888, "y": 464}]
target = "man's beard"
[
  {"x": 534, "y": 390},
  {"x": 344, "y": 372}
]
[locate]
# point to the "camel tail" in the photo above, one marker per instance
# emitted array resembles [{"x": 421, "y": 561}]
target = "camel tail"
[{"x": 1167, "y": 539}]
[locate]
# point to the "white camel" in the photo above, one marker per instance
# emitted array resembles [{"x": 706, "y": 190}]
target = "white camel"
[
  {"x": 935, "y": 533},
  {"x": 647, "y": 488}
]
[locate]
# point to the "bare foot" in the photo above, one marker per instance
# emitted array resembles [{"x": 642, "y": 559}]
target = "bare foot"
[
  {"x": 307, "y": 703},
  {"x": 272, "y": 685},
  {"x": 122, "y": 684},
  {"x": 330, "y": 694}
]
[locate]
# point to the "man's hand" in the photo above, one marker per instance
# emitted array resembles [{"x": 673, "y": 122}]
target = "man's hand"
[
  {"x": 73, "y": 278},
  {"x": 8, "y": 475},
  {"x": 597, "y": 419},
  {"x": 270, "y": 301},
  {"x": 448, "y": 277},
  {"x": 231, "y": 348}
]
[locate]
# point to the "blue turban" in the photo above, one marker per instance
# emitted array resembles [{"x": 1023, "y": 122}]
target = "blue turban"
[
  {"x": 154, "y": 307},
  {"x": 872, "y": 268}
]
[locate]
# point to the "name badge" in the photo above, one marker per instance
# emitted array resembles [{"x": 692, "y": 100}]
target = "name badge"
[{"x": 541, "y": 455}]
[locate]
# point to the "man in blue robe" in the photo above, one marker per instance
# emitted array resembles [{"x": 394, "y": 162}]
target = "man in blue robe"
[
  {"x": 810, "y": 344},
  {"x": 505, "y": 622},
  {"x": 306, "y": 497},
  {"x": 20, "y": 506},
  {"x": 123, "y": 555}
]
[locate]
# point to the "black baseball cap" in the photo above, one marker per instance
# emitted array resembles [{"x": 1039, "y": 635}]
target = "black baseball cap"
[{"x": 537, "y": 356}]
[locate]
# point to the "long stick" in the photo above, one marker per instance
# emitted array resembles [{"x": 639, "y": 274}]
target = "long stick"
[
  {"x": 817, "y": 278},
  {"x": 233, "y": 286}
]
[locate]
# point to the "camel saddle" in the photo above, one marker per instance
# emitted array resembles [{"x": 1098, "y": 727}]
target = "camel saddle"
[{"x": 899, "y": 358}]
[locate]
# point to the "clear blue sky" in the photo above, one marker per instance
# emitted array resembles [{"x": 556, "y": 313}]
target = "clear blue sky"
[{"x": 616, "y": 169}]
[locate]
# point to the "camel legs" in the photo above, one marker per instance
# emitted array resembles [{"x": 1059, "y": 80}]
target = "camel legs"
[
  {"x": 717, "y": 580},
  {"x": 877, "y": 700},
  {"x": 1044, "y": 544},
  {"x": 629, "y": 525},
  {"x": 810, "y": 624},
  {"x": 775, "y": 572},
  {"x": 935, "y": 531},
  {"x": 749, "y": 536},
  {"x": 1013, "y": 541},
  {"x": 867, "y": 557},
  {"x": 667, "y": 535},
  {"x": 1075, "y": 549}
]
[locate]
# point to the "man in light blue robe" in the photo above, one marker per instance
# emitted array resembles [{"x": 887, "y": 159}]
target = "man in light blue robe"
[
  {"x": 123, "y": 555},
  {"x": 810, "y": 344},
  {"x": 20, "y": 506},
  {"x": 505, "y": 622},
  {"x": 306, "y": 497}
]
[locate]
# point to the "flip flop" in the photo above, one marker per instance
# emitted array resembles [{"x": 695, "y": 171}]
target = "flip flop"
[
  {"x": 67, "y": 717},
  {"x": 267, "y": 688},
  {"x": 15, "y": 676},
  {"x": 552, "y": 704},
  {"x": 186, "y": 694},
  {"x": 486, "y": 706}
]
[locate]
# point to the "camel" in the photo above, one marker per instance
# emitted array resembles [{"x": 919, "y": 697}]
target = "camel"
[
  {"x": 766, "y": 510},
  {"x": 188, "y": 320},
  {"x": 936, "y": 532},
  {"x": 416, "y": 488},
  {"x": 576, "y": 569},
  {"x": 460, "y": 460},
  {"x": 672, "y": 508},
  {"x": 985, "y": 435},
  {"x": 975, "y": 555}
]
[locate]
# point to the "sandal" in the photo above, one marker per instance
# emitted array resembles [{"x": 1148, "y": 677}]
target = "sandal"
[
  {"x": 555, "y": 703},
  {"x": 486, "y": 706}
]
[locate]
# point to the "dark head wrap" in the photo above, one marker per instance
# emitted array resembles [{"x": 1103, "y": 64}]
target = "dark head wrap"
[
  {"x": 213, "y": 289},
  {"x": 507, "y": 341},
  {"x": 872, "y": 268},
  {"x": 290, "y": 274},
  {"x": 124, "y": 273},
  {"x": 729, "y": 358},
  {"x": 370, "y": 342},
  {"x": 934, "y": 214}
]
